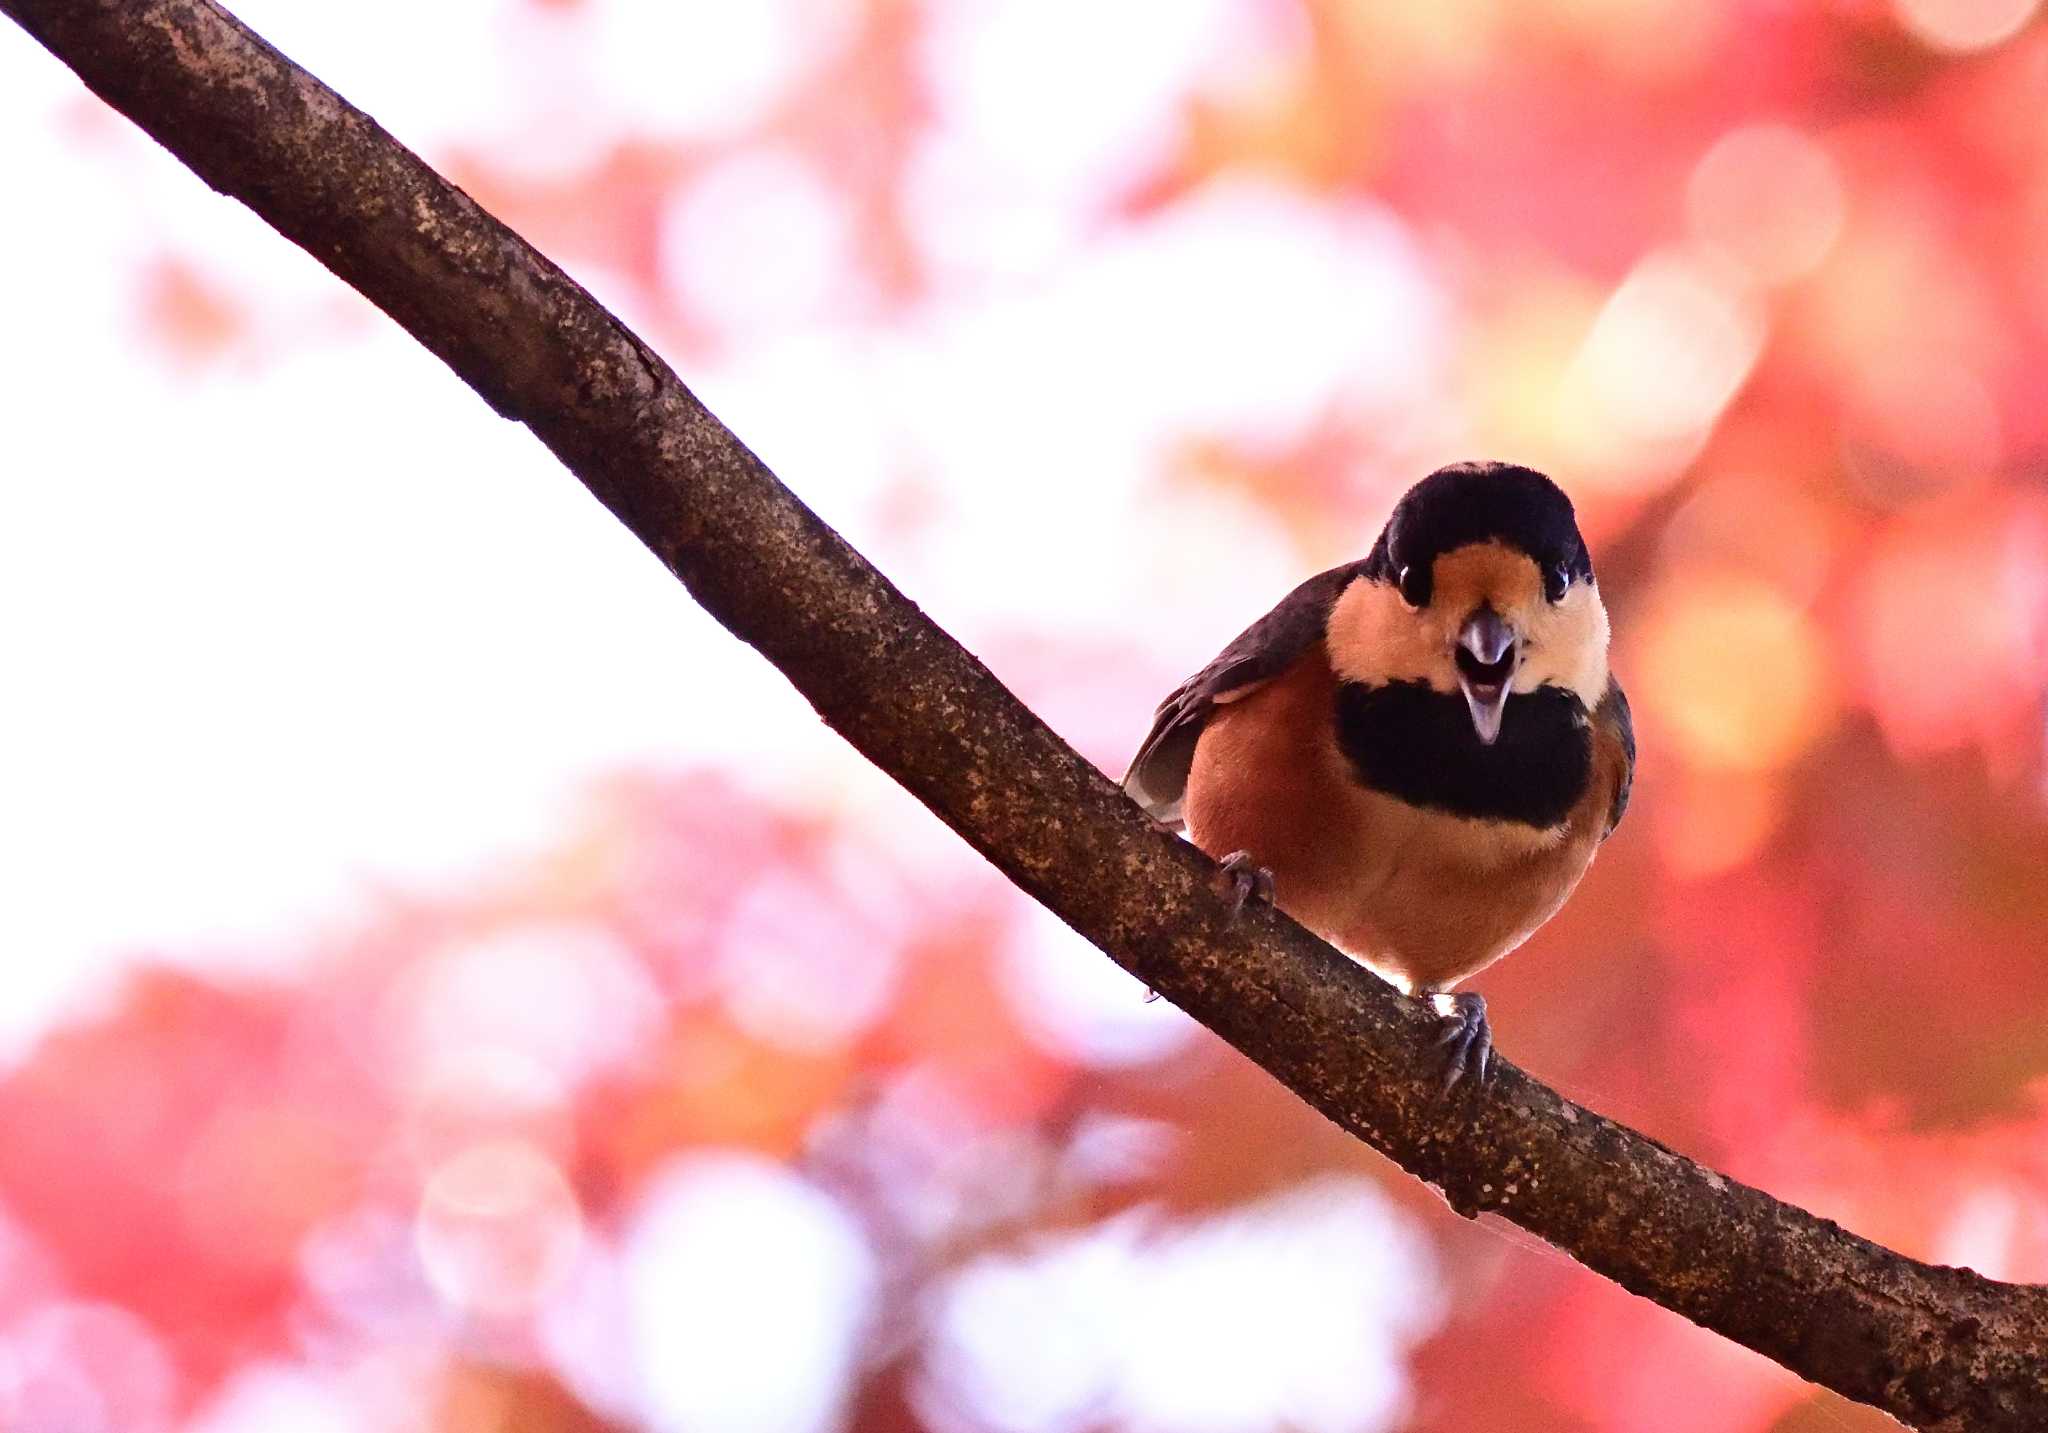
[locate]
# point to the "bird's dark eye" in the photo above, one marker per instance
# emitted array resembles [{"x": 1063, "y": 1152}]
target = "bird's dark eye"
[
  {"x": 1556, "y": 578},
  {"x": 1415, "y": 586}
]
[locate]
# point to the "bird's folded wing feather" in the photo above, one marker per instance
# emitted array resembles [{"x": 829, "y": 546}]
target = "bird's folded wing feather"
[
  {"x": 1615, "y": 750},
  {"x": 1158, "y": 777}
]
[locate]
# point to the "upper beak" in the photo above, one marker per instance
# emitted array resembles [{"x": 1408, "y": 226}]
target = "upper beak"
[{"x": 1487, "y": 648}]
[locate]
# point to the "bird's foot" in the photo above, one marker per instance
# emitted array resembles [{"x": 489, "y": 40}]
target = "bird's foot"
[
  {"x": 1248, "y": 881},
  {"x": 1467, "y": 1041}
]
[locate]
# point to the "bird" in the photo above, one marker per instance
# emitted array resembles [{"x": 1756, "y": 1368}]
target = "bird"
[{"x": 1417, "y": 754}]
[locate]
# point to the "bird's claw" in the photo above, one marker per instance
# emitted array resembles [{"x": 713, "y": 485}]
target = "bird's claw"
[
  {"x": 1248, "y": 881},
  {"x": 1467, "y": 1040}
]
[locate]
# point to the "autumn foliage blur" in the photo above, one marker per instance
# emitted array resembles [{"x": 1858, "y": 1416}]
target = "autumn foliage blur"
[{"x": 751, "y": 1101}]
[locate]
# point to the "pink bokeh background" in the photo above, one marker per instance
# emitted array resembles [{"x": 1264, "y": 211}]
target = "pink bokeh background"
[{"x": 451, "y": 985}]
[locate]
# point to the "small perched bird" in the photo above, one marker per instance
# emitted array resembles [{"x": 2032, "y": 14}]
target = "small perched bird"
[{"x": 1415, "y": 755}]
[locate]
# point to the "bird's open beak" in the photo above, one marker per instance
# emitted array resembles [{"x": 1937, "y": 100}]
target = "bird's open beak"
[{"x": 1487, "y": 648}]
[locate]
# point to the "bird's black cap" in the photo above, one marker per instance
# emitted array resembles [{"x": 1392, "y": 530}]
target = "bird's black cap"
[{"x": 1472, "y": 502}]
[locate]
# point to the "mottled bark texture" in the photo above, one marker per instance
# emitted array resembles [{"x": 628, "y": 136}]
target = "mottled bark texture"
[{"x": 1940, "y": 1348}]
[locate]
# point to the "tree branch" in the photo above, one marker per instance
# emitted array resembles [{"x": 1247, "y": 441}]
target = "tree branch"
[{"x": 1939, "y": 1348}]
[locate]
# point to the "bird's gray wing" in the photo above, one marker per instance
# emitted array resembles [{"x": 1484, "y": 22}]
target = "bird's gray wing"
[
  {"x": 1612, "y": 720},
  {"x": 1158, "y": 777}
]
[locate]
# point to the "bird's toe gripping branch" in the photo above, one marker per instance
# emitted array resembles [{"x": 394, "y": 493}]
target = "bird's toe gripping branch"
[
  {"x": 1248, "y": 881},
  {"x": 1467, "y": 1041}
]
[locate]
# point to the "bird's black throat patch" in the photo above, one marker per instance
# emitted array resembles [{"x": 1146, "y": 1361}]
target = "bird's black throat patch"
[{"x": 1415, "y": 743}]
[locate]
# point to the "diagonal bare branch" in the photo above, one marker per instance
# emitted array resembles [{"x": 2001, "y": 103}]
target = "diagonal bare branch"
[{"x": 1938, "y": 1348}]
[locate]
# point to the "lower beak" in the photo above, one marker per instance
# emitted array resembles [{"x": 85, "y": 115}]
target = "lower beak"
[{"x": 1487, "y": 649}]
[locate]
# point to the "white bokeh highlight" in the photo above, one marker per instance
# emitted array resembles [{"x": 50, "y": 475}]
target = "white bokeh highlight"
[
  {"x": 747, "y": 1291},
  {"x": 498, "y": 1229},
  {"x": 1667, "y": 353},
  {"x": 1965, "y": 26},
  {"x": 1047, "y": 111},
  {"x": 796, "y": 972},
  {"x": 85, "y": 1367},
  {"x": 758, "y": 243},
  {"x": 703, "y": 69},
  {"x": 1771, "y": 197},
  {"x": 1081, "y": 1006},
  {"x": 271, "y": 1398},
  {"x": 1295, "y": 1313},
  {"x": 568, "y": 998}
]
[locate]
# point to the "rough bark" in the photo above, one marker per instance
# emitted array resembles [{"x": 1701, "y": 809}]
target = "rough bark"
[{"x": 1940, "y": 1348}]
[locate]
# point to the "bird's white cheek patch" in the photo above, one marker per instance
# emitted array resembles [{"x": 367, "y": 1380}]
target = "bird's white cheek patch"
[{"x": 1567, "y": 646}]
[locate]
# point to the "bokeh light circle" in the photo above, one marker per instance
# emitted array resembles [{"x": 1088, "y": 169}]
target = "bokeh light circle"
[
  {"x": 1735, "y": 674},
  {"x": 498, "y": 1228},
  {"x": 1770, "y": 197},
  {"x": 1666, "y": 354},
  {"x": 1965, "y": 25}
]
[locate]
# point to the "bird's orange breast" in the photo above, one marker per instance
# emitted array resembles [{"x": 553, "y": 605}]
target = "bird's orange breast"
[{"x": 1424, "y": 897}]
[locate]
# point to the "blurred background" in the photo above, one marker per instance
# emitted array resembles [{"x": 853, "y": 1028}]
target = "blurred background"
[{"x": 450, "y": 986}]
